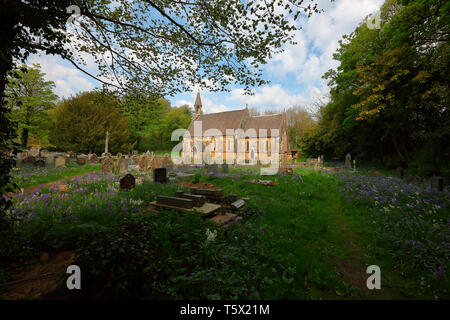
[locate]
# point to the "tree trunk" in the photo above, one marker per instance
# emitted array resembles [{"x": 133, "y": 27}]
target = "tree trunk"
[{"x": 24, "y": 138}]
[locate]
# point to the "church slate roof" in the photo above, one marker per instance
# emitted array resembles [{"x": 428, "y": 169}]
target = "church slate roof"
[{"x": 237, "y": 119}]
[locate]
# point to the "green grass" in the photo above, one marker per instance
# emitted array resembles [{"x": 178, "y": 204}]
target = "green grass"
[
  {"x": 300, "y": 239},
  {"x": 29, "y": 175}
]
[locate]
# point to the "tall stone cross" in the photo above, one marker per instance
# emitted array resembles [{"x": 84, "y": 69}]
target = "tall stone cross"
[{"x": 106, "y": 141}]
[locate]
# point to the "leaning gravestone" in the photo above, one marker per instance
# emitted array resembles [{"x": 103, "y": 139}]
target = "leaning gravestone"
[
  {"x": 160, "y": 175},
  {"x": 60, "y": 162},
  {"x": 127, "y": 182},
  {"x": 348, "y": 161},
  {"x": 107, "y": 165},
  {"x": 143, "y": 163},
  {"x": 122, "y": 165}
]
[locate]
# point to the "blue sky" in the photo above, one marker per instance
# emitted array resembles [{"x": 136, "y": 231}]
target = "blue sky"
[{"x": 295, "y": 75}]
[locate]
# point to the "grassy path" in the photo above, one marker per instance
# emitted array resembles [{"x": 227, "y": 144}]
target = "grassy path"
[
  {"x": 313, "y": 229},
  {"x": 30, "y": 176}
]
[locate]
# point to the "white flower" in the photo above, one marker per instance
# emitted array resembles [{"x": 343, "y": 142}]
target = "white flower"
[{"x": 211, "y": 235}]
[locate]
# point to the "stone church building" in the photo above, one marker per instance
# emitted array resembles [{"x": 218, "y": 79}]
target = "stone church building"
[{"x": 236, "y": 135}]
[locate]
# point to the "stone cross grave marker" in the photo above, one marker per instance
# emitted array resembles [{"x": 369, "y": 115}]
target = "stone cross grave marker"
[{"x": 107, "y": 165}]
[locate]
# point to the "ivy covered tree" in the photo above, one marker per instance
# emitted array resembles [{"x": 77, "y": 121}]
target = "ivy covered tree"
[{"x": 29, "y": 97}]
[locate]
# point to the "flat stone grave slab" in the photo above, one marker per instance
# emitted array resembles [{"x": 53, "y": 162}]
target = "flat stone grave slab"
[
  {"x": 199, "y": 200},
  {"x": 206, "y": 210},
  {"x": 225, "y": 219}
]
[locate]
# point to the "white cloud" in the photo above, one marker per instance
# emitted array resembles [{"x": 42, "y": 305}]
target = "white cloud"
[
  {"x": 68, "y": 81},
  {"x": 318, "y": 40}
]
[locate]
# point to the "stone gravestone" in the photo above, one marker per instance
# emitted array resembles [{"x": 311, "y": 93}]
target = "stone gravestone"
[
  {"x": 60, "y": 162},
  {"x": 127, "y": 182},
  {"x": 160, "y": 175},
  {"x": 143, "y": 163},
  {"x": 50, "y": 159},
  {"x": 122, "y": 165},
  {"x": 93, "y": 158},
  {"x": 107, "y": 165},
  {"x": 35, "y": 151},
  {"x": 400, "y": 173},
  {"x": 135, "y": 158},
  {"x": 437, "y": 183},
  {"x": 39, "y": 163},
  {"x": 348, "y": 163},
  {"x": 354, "y": 165}
]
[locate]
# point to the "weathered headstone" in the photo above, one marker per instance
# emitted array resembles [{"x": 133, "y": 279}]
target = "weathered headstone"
[
  {"x": 400, "y": 173},
  {"x": 348, "y": 159},
  {"x": 122, "y": 165},
  {"x": 35, "y": 151},
  {"x": 135, "y": 159},
  {"x": 437, "y": 183},
  {"x": 143, "y": 163},
  {"x": 127, "y": 182},
  {"x": 60, "y": 162},
  {"x": 160, "y": 175},
  {"x": 39, "y": 163},
  {"x": 93, "y": 158},
  {"x": 107, "y": 165}
]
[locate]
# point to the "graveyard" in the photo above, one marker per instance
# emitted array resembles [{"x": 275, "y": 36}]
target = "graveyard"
[
  {"x": 216, "y": 151},
  {"x": 141, "y": 227}
]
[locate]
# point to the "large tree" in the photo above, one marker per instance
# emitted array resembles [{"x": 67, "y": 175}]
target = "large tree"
[
  {"x": 30, "y": 97},
  {"x": 158, "y": 45},
  {"x": 81, "y": 123}
]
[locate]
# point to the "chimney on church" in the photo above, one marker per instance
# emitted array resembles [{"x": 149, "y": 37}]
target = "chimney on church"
[{"x": 197, "y": 106}]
